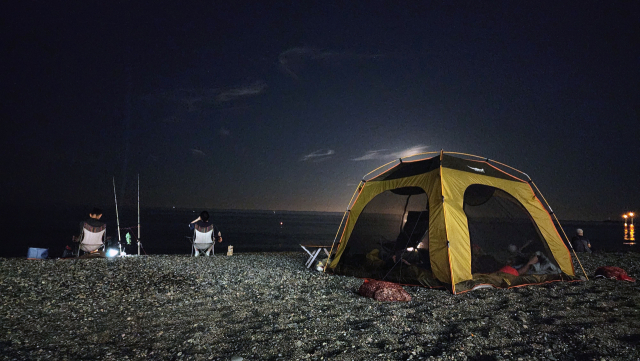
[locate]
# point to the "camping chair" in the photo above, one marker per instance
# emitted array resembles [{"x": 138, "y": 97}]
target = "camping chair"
[
  {"x": 412, "y": 232},
  {"x": 415, "y": 227},
  {"x": 202, "y": 240},
  {"x": 92, "y": 238}
]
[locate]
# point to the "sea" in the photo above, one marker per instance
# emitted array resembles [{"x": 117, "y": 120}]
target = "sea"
[{"x": 166, "y": 231}]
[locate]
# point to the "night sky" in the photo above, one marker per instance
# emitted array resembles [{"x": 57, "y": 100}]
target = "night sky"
[{"x": 286, "y": 105}]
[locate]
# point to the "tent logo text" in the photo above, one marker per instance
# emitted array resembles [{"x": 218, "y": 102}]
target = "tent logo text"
[{"x": 479, "y": 170}]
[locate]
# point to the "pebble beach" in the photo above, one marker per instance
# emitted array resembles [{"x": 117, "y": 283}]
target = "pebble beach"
[{"x": 268, "y": 306}]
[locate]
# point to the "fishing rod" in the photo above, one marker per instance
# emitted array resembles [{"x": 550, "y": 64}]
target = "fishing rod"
[
  {"x": 117, "y": 217},
  {"x": 138, "y": 214}
]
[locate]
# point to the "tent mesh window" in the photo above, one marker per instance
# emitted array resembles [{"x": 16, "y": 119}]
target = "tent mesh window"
[
  {"x": 501, "y": 231},
  {"x": 393, "y": 223}
]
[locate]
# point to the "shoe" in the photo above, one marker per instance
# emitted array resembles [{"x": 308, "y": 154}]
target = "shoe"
[
  {"x": 197, "y": 253},
  {"x": 207, "y": 253}
]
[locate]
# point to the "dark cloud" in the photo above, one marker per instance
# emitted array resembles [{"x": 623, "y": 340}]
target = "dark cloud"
[
  {"x": 293, "y": 61},
  {"x": 245, "y": 91},
  {"x": 197, "y": 152},
  {"x": 195, "y": 99}
]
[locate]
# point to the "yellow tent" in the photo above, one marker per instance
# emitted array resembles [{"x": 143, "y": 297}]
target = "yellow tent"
[{"x": 450, "y": 221}]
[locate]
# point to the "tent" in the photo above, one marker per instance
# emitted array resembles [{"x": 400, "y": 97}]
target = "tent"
[{"x": 452, "y": 220}]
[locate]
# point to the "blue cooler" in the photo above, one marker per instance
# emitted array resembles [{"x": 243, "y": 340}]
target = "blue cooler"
[{"x": 38, "y": 253}]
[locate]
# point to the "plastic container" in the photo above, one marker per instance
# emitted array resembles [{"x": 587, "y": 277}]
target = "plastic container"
[{"x": 37, "y": 253}]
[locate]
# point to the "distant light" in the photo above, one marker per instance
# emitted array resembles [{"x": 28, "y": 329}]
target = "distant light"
[
  {"x": 280, "y": 223},
  {"x": 624, "y": 216},
  {"x": 112, "y": 252},
  {"x": 410, "y": 249},
  {"x": 630, "y": 214}
]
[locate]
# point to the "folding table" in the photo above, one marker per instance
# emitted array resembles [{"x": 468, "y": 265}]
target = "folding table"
[{"x": 313, "y": 252}]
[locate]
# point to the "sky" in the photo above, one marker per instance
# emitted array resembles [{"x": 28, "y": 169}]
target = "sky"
[{"x": 287, "y": 105}]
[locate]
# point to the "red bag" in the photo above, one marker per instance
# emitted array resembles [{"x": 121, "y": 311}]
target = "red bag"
[
  {"x": 613, "y": 272},
  {"x": 384, "y": 291}
]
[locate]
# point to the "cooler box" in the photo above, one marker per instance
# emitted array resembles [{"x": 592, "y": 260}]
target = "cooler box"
[{"x": 38, "y": 253}]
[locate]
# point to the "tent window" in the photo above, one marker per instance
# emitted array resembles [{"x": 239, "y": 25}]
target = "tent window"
[
  {"x": 395, "y": 222},
  {"x": 501, "y": 230}
]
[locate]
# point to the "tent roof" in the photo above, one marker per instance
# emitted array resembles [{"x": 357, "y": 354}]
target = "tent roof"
[{"x": 411, "y": 168}]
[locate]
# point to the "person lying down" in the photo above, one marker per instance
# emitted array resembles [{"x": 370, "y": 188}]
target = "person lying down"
[{"x": 537, "y": 264}]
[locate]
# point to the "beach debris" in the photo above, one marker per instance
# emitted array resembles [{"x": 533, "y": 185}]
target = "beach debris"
[
  {"x": 613, "y": 273},
  {"x": 320, "y": 265},
  {"x": 230, "y": 251},
  {"x": 383, "y": 291}
]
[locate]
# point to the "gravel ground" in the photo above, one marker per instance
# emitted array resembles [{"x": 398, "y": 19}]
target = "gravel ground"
[{"x": 267, "y": 306}]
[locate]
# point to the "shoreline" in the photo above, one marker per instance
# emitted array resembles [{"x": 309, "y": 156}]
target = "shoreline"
[
  {"x": 268, "y": 306},
  {"x": 164, "y": 231}
]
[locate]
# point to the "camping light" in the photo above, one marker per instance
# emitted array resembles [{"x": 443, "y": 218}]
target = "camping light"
[
  {"x": 112, "y": 252},
  {"x": 410, "y": 249}
]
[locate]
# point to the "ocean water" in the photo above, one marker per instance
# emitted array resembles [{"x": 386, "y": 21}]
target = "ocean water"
[{"x": 165, "y": 231}]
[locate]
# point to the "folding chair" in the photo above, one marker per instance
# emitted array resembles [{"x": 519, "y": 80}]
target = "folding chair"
[
  {"x": 202, "y": 240},
  {"x": 313, "y": 252},
  {"x": 92, "y": 238}
]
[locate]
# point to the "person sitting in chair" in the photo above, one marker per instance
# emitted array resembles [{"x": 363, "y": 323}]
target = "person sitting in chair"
[
  {"x": 93, "y": 224},
  {"x": 581, "y": 243},
  {"x": 202, "y": 222},
  {"x": 93, "y": 221}
]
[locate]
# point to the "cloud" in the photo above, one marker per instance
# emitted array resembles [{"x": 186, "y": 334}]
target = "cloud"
[
  {"x": 242, "y": 91},
  {"x": 410, "y": 151},
  {"x": 195, "y": 99},
  {"x": 293, "y": 61},
  {"x": 197, "y": 152},
  {"x": 383, "y": 154},
  {"x": 319, "y": 155},
  {"x": 191, "y": 99},
  {"x": 372, "y": 154},
  {"x": 171, "y": 120}
]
